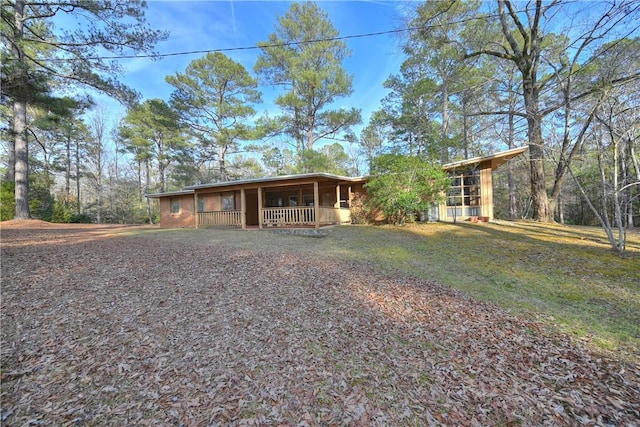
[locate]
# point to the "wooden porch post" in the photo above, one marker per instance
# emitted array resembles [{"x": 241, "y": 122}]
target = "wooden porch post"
[
  {"x": 316, "y": 203},
  {"x": 243, "y": 209},
  {"x": 486, "y": 193},
  {"x": 195, "y": 207},
  {"x": 337, "y": 203},
  {"x": 260, "y": 207}
]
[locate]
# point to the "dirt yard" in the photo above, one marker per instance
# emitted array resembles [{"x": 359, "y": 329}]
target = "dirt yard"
[{"x": 105, "y": 326}]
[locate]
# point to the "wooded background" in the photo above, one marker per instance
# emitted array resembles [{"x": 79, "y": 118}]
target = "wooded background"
[{"x": 477, "y": 78}]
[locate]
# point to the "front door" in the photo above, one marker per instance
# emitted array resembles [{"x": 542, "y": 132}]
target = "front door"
[{"x": 252, "y": 207}]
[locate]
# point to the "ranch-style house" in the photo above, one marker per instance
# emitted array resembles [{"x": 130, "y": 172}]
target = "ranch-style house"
[{"x": 318, "y": 199}]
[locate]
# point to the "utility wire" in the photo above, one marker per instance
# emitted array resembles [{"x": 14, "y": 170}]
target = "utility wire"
[
  {"x": 230, "y": 49},
  {"x": 292, "y": 43}
]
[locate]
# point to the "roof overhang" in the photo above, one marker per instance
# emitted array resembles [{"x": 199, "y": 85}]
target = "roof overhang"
[
  {"x": 169, "y": 194},
  {"x": 495, "y": 160},
  {"x": 279, "y": 179},
  {"x": 275, "y": 181}
]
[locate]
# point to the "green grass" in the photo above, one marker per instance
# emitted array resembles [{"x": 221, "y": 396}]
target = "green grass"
[{"x": 567, "y": 277}]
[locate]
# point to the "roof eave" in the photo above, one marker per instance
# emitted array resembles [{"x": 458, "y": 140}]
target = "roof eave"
[
  {"x": 169, "y": 194},
  {"x": 276, "y": 179},
  {"x": 502, "y": 157}
]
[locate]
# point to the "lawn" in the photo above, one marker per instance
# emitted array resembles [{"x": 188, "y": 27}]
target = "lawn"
[
  {"x": 565, "y": 276},
  {"x": 437, "y": 324}
]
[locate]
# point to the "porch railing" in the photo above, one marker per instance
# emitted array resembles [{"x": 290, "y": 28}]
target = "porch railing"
[
  {"x": 301, "y": 215},
  {"x": 304, "y": 215},
  {"x": 343, "y": 215},
  {"x": 216, "y": 218},
  {"x": 288, "y": 216}
]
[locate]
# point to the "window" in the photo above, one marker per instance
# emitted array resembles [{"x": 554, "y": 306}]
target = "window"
[
  {"x": 472, "y": 189},
  {"x": 228, "y": 202},
  {"x": 275, "y": 199},
  {"x": 175, "y": 205},
  {"x": 463, "y": 197},
  {"x": 307, "y": 199},
  {"x": 201, "y": 204}
]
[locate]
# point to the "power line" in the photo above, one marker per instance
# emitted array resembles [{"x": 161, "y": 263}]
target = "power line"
[
  {"x": 292, "y": 43},
  {"x": 230, "y": 49}
]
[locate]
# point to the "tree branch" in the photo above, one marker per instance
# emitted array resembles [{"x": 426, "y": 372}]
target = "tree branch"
[
  {"x": 591, "y": 91},
  {"x": 496, "y": 113},
  {"x": 490, "y": 53},
  {"x": 514, "y": 16}
]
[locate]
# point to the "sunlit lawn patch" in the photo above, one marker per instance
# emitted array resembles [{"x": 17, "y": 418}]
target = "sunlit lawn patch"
[{"x": 565, "y": 275}]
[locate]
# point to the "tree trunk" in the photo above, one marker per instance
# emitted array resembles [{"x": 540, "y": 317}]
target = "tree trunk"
[
  {"x": 513, "y": 194},
  {"x": 21, "y": 145},
  {"x": 11, "y": 157},
  {"x": 67, "y": 172},
  {"x": 310, "y": 137},
  {"x": 628, "y": 164},
  {"x": 560, "y": 208},
  {"x": 99, "y": 199},
  {"x": 465, "y": 128},
  {"x": 77, "y": 154},
  {"x": 617, "y": 211},
  {"x": 538, "y": 188},
  {"x": 21, "y": 160},
  {"x": 221, "y": 163},
  {"x": 513, "y": 190},
  {"x": 445, "y": 123},
  {"x": 140, "y": 187},
  {"x": 162, "y": 165},
  {"x": 539, "y": 198},
  {"x": 147, "y": 172},
  {"x": 630, "y": 223}
]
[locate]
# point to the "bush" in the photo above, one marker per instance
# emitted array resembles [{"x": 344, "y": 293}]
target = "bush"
[
  {"x": 7, "y": 200},
  {"x": 61, "y": 212},
  {"x": 404, "y": 186},
  {"x": 361, "y": 213}
]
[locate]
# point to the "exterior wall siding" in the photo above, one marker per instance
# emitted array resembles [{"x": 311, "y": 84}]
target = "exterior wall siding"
[{"x": 184, "y": 218}]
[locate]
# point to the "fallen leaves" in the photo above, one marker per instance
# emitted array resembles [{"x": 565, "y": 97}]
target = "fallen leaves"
[{"x": 114, "y": 330}]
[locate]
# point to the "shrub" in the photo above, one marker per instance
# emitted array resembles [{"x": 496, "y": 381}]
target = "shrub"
[
  {"x": 403, "y": 186},
  {"x": 7, "y": 200}
]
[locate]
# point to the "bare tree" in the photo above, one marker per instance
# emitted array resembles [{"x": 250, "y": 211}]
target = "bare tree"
[
  {"x": 547, "y": 62},
  {"x": 97, "y": 157}
]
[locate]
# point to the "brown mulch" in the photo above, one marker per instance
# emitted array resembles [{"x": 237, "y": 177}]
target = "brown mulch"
[{"x": 100, "y": 328}]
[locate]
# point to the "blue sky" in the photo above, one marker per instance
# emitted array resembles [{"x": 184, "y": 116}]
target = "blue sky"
[
  {"x": 206, "y": 25},
  {"x": 203, "y": 25}
]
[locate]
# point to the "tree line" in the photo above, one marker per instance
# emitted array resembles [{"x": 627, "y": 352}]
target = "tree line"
[{"x": 476, "y": 77}]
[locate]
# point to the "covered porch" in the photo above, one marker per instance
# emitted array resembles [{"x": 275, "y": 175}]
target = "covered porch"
[{"x": 312, "y": 200}]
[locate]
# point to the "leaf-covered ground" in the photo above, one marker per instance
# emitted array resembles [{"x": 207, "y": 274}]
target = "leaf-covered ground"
[{"x": 101, "y": 328}]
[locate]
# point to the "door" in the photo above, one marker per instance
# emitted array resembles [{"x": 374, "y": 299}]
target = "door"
[{"x": 252, "y": 207}]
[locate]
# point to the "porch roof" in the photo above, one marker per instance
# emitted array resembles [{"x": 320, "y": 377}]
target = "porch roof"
[
  {"x": 191, "y": 189},
  {"x": 279, "y": 179},
  {"x": 495, "y": 159}
]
